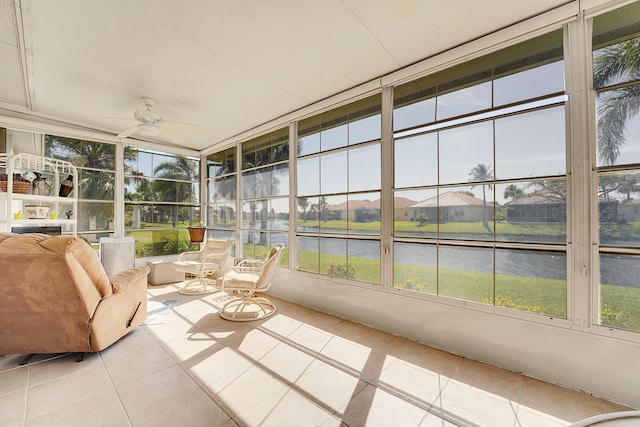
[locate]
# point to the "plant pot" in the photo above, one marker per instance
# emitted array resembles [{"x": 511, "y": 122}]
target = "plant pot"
[{"x": 196, "y": 234}]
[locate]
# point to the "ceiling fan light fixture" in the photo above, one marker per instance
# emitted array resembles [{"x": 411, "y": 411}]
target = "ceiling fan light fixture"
[{"x": 148, "y": 129}]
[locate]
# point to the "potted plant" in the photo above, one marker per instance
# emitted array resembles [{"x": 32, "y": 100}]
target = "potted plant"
[{"x": 197, "y": 232}]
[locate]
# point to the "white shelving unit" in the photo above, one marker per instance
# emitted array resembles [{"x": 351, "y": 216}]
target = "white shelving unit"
[{"x": 55, "y": 171}]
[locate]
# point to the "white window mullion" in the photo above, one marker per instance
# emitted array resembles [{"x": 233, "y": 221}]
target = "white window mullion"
[
  {"x": 579, "y": 213},
  {"x": 386, "y": 195}
]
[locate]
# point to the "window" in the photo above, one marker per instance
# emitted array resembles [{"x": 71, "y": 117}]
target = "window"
[
  {"x": 162, "y": 198},
  {"x": 616, "y": 79},
  {"x": 221, "y": 194},
  {"x": 265, "y": 194},
  {"x": 339, "y": 191},
  {"x": 95, "y": 162},
  {"x": 480, "y": 168}
]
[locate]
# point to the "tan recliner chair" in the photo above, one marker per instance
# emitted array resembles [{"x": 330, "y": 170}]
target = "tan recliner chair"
[{"x": 55, "y": 296}]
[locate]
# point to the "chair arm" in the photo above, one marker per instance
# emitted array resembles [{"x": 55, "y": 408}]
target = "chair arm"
[{"x": 124, "y": 279}]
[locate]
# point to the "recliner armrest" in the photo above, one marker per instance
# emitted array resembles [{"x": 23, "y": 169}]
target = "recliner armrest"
[{"x": 122, "y": 280}]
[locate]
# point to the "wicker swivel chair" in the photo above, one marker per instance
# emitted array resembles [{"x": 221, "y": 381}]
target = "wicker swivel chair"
[
  {"x": 245, "y": 280},
  {"x": 202, "y": 264}
]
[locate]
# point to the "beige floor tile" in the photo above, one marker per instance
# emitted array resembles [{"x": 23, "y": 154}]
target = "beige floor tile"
[
  {"x": 14, "y": 380},
  {"x": 294, "y": 410},
  {"x": 329, "y": 386},
  {"x": 86, "y": 384},
  {"x": 61, "y": 366},
  {"x": 257, "y": 343},
  {"x": 496, "y": 381},
  {"x": 169, "y": 398},
  {"x": 431, "y": 358},
  {"x": 477, "y": 406},
  {"x": 281, "y": 325},
  {"x": 559, "y": 402},
  {"x": 252, "y": 396},
  {"x": 431, "y": 420},
  {"x": 348, "y": 353},
  {"x": 285, "y": 362},
  {"x": 94, "y": 410},
  {"x": 136, "y": 355},
  {"x": 310, "y": 338},
  {"x": 218, "y": 370},
  {"x": 10, "y": 361},
  {"x": 528, "y": 417},
  {"x": 191, "y": 346},
  {"x": 12, "y": 408},
  {"x": 174, "y": 327},
  {"x": 228, "y": 333},
  {"x": 414, "y": 383},
  {"x": 376, "y": 407}
]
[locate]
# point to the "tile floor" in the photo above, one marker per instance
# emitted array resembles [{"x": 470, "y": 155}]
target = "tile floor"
[{"x": 298, "y": 368}]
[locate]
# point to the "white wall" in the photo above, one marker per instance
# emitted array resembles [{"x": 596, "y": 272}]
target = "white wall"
[{"x": 581, "y": 360}]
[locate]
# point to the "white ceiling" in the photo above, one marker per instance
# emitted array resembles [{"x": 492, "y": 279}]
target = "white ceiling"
[{"x": 227, "y": 66}]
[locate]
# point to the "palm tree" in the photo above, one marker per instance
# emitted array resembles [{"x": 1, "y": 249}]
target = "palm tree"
[
  {"x": 620, "y": 104},
  {"x": 513, "y": 192},
  {"x": 182, "y": 169},
  {"x": 482, "y": 173},
  {"x": 303, "y": 202}
]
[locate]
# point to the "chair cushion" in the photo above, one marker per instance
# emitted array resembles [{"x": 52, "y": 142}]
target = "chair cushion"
[
  {"x": 194, "y": 267},
  {"x": 241, "y": 280}
]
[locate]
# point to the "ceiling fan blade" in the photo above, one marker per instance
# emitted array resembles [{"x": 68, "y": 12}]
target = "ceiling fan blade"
[
  {"x": 181, "y": 125},
  {"x": 130, "y": 131},
  {"x": 171, "y": 135},
  {"x": 403, "y": 9}
]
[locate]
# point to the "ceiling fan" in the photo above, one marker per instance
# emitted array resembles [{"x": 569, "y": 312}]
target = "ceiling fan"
[{"x": 151, "y": 124}]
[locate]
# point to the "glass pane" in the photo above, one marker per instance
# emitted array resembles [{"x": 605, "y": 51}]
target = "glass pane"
[
  {"x": 95, "y": 185},
  {"x": 620, "y": 291},
  {"x": 263, "y": 182},
  {"x": 144, "y": 242},
  {"x": 254, "y": 214},
  {"x": 464, "y": 101},
  {"x": 221, "y": 215},
  {"x": 188, "y": 192},
  {"x": 414, "y": 267},
  {"x": 308, "y": 214},
  {"x": 137, "y": 216},
  {"x": 534, "y": 281},
  {"x": 333, "y": 258},
  {"x": 308, "y": 254},
  {"x": 617, "y": 128},
  {"x": 334, "y": 137},
  {"x": 280, "y": 180},
  {"x": 164, "y": 216},
  {"x": 363, "y": 260},
  {"x": 309, "y": 177},
  {"x": 223, "y": 189},
  {"x": 256, "y": 245},
  {"x": 363, "y": 130},
  {"x": 619, "y": 209},
  {"x": 143, "y": 165},
  {"x": 93, "y": 216},
  {"x": 364, "y": 168},
  {"x": 416, "y": 213},
  {"x": 364, "y": 213},
  {"x": 138, "y": 189},
  {"x": 614, "y": 64},
  {"x": 165, "y": 191},
  {"x": 309, "y": 144},
  {"x": 333, "y": 213},
  {"x": 416, "y": 161},
  {"x": 249, "y": 184},
  {"x": 530, "y": 83},
  {"x": 221, "y": 163},
  {"x": 462, "y": 150},
  {"x": 533, "y": 211},
  {"x": 415, "y": 114},
  {"x": 164, "y": 166},
  {"x": 531, "y": 144},
  {"x": 466, "y": 273},
  {"x": 466, "y": 212},
  {"x": 278, "y": 214},
  {"x": 333, "y": 173}
]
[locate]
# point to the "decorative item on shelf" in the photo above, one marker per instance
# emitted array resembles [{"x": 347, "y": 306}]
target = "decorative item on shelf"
[
  {"x": 20, "y": 185},
  {"x": 30, "y": 176},
  {"x": 66, "y": 186},
  {"x": 196, "y": 233},
  {"x": 53, "y": 215},
  {"x": 40, "y": 186},
  {"x": 18, "y": 215},
  {"x": 37, "y": 212},
  {"x": 68, "y": 214}
]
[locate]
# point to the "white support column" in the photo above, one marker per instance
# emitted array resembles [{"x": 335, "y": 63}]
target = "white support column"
[
  {"x": 386, "y": 202},
  {"x": 118, "y": 211},
  {"x": 293, "y": 207}
]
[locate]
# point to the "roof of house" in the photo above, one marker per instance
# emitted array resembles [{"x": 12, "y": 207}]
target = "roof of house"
[{"x": 451, "y": 198}]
